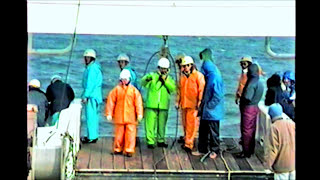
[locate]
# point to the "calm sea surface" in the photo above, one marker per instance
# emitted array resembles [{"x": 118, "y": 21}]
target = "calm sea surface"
[{"x": 227, "y": 52}]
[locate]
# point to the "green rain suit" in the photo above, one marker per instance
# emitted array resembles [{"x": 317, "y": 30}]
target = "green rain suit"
[
  {"x": 157, "y": 106},
  {"x": 92, "y": 85}
]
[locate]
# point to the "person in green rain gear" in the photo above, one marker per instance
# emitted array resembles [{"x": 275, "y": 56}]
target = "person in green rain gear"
[
  {"x": 92, "y": 95},
  {"x": 123, "y": 61},
  {"x": 159, "y": 87}
]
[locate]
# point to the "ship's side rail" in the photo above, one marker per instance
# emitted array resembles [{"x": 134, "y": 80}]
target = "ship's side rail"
[{"x": 55, "y": 147}]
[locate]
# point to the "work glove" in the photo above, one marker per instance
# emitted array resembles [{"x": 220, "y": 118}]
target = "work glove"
[
  {"x": 140, "y": 118},
  {"x": 109, "y": 118}
]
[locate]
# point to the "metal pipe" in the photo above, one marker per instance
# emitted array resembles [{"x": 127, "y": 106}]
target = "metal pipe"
[
  {"x": 276, "y": 55},
  {"x": 48, "y": 51}
]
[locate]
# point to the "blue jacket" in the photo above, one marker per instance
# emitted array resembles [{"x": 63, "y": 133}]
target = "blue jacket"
[
  {"x": 92, "y": 82},
  {"x": 133, "y": 75},
  {"x": 212, "y": 105}
]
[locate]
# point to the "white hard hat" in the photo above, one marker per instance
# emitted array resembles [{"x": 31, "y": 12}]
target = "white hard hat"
[
  {"x": 90, "y": 53},
  {"x": 35, "y": 83},
  {"x": 123, "y": 57},
  {"x": 187, "y": 60},
  {"x": 125, "y": 74},
  {"x": 164, "y": 63},
  {"x": 55, "y": 77}
]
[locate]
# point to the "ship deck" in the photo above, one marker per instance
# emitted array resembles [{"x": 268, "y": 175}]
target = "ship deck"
[{"x": 95, "y": 161}]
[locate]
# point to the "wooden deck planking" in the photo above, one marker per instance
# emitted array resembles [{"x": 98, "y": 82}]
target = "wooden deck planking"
[
  {"x": 146, "y": 155},
  {"x": 219, "y": 164},
  {"x": 229, "y": 157},
  {"x": 98, "y": 156},
  {"x": 253, "y": 161},
  {"x": 209, "y": 164},
  {"x": 184, "y": 160},
  {"x": 106, "y": 156},
  {"x": 159, "y": 159},
  {"x": 195, "y": 162},
  {"x": 242, "y": 162},
  {"x": 118, "y": 161},
  {"x": 172, "y": 156},
  {"x": 83, "y": 157},
  {"x": 95, "y": 154},
  {"x": 134, "y": 162}
]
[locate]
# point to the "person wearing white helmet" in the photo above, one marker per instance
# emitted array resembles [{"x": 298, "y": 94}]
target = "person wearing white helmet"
[
  {"x": 125, "y": 109},
  {"x": 92, "y": 95},
  {"x": 160, "y": 86},
  {"x": 38, "y": 97},
  {"x": 123, "y": 62},
  {"x": 59, "y": 95},
  {"x": 192, "y": 83}
]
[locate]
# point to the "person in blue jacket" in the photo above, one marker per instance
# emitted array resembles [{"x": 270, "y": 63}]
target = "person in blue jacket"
[
  {"x": 212, "y": 107},
  {"x": 92, "y": 95},
  {"x": 123, "y": 62}
]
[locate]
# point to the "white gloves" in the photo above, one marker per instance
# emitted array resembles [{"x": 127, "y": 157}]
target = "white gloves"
[
  {"x": 139, "y": 118},
  {"x": 109, "y": 118}
]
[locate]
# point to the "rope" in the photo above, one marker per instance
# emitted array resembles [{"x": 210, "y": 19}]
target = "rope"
[
  {"x": 165, "y": 38},
  {"x": 71, "y": 51},
  {"x": 73, "y": 40},
  {"x": 226, "y": 164}
]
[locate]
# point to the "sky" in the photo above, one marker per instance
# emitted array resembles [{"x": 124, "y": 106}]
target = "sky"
[{"x": 183, "y": 18}]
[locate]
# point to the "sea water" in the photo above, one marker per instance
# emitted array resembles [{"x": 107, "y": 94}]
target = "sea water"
[{"x": 227, "y": 52}]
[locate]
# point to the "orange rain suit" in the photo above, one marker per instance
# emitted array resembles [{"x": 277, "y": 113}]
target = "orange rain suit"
[
  {"x": 191, "y": 91},
  {"x": 124, "y": 104},
  {"x": 242, "y": 81}
]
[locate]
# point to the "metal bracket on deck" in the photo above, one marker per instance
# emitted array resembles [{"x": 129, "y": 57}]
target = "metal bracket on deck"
[
  {"x": 276, "y": 55},
  {"x": 48, "y": 51}
]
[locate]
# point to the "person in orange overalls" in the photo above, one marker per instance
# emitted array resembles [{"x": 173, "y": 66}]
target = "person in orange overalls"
[
  {"x": 192, "y": 84},
  {"x": 125, "y": 107}
]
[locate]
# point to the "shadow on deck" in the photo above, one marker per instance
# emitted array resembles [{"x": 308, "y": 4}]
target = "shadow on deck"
[{"x": 95, "y": 161}]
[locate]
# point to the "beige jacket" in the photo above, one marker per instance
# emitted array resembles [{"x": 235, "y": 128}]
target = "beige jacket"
[{"x": 281, "y": 156}]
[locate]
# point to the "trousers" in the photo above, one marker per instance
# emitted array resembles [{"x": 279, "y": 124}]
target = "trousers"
[
  {"x": 125, "y": 138},
  {"x": 190, "y": 121},
  {"x": 92, "y": 117},
  {"x": 249, "y": 115},
  {"x": 285, "y": 176},
  {"x": 209, "y": 136},
  {"x": 155, "y": 125}
]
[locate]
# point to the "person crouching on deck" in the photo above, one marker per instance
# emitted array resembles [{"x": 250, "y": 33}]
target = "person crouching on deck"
[
  {"x": 192, "y": 84},
  {"x": 124, "y": 107}
]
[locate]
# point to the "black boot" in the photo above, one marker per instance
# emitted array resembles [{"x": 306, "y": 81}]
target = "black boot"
[
  {"x": 181, "y": 139},
  {"x": 243, "y": 155},
  {"x": 151, "y": 146},
  {"x": 85, "y": 140},
  {"x": 162, "y": 144}
]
